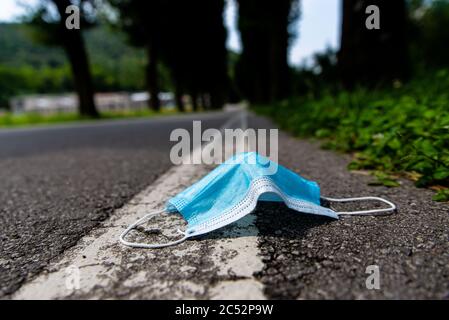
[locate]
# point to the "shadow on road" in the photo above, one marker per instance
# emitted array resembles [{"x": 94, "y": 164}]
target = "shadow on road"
[{"x": 267, "y": 218}]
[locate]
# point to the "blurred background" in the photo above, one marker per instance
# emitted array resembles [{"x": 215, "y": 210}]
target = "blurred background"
[
  {"x": 312, "y": 65},
  {"x": 205, "y": 53}
]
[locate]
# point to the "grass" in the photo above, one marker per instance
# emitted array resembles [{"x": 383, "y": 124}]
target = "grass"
[
  {"x": 8, "y": 119},
  {"x": 401, "y": 131}
]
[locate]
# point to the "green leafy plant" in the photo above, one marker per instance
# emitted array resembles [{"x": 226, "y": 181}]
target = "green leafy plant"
[{"x": 402, "y": 130}]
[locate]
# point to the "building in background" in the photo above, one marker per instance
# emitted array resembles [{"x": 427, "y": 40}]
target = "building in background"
[{"x": 68, "y": 103}]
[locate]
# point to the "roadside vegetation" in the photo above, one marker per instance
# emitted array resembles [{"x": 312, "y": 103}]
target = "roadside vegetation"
[
  {"x": 27, "y": 67},
  {"x": 383, "y": 97},
  {"x": 9, "y": 119},
  {"x": 403, "y": 130}
]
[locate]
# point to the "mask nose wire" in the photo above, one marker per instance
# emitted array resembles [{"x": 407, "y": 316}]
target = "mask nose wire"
[
  {"x": 384, "y": 211},
  {"x": 145, "y": 245}
]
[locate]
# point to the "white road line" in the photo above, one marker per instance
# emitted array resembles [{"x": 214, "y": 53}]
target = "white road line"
[{"x": 195, "y": 269}]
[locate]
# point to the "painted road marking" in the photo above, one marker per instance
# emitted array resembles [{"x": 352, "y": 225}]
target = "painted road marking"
[{"x": 221, "y": 266}]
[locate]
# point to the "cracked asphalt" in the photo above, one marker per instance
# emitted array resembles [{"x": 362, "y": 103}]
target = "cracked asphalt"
[{"x": 61, "y": 184}]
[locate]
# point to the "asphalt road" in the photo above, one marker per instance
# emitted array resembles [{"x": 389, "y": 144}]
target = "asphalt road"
[{"x": 57, "y": 183}]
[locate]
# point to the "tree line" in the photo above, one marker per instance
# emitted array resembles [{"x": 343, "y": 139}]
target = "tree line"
[{"x": 188, "y": 40}]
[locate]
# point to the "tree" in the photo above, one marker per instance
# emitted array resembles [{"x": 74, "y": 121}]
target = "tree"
[
  {"x": 194, "y": 50},
  {"x": 143, "y": 22},
  {"x": 52, "y": 30},
  {"x": 262, "y": 71},
  {"x": 188, "y": 38},
  {"x": 429, "y": 34},
  {"x": 373, "y": 56}
]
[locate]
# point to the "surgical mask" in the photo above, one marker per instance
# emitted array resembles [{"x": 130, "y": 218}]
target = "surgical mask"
[{"x": 233, "y": 189}]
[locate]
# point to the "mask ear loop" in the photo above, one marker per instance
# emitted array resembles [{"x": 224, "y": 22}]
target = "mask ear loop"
[
  {"x": 385, "y": 211},
  {"x": 144, "y": 245}
]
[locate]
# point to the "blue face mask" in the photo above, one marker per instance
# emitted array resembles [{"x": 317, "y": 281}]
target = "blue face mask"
[{"x": 232, "y": 191}]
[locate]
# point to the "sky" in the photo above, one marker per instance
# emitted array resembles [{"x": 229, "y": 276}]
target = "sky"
[
  {"x": 11, "y": 9},
  {"x": 317, "y": 29}
]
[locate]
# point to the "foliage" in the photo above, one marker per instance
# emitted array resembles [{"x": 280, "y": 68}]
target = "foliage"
[
  {"x": 318, "y": 77},
  {"x": 429, "y": 34},
  {"x": 27, "y": 67},
  {"x": 18, "y": 49},
  {"x": 26, "y": 79},
  {"x": 404, "y": 129},
  {"x": 188, "y": 38}
]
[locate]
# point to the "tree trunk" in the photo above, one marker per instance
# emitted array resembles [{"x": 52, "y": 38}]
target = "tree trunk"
[
  {"x": 152, "y": 75},
  {"x": 279, "y": 70},
  {"x": 194, "y": 97},
  {"x": 373, "y": 56},
  {"x": 262, "y": 71},
  {"x": 217, "y": 99},
  {"x": 178, "y": 97},
  {"x": 203, "y": 102},
  {"x": 73, "y": 44}
]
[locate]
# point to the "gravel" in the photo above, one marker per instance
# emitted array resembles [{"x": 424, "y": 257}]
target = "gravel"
[{"x": 310, "y": 257}]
